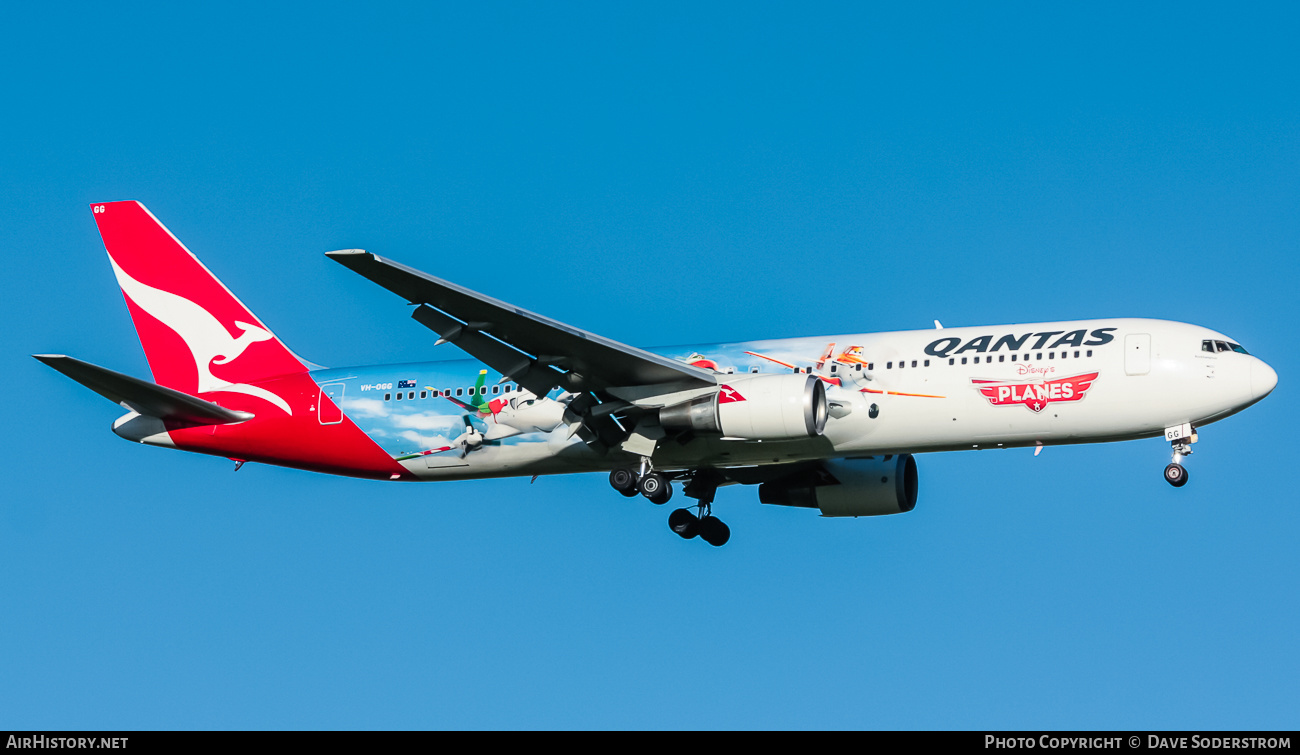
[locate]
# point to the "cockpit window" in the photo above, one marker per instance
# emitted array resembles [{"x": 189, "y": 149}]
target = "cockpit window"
[{"x": 1216, "y": 346}]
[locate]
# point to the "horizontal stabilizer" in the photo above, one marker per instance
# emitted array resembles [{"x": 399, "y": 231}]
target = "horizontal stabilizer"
[{"x": 142, "y": 396}]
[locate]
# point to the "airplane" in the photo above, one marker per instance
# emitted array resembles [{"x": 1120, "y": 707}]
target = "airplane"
[{"x": 838, "y": 434}]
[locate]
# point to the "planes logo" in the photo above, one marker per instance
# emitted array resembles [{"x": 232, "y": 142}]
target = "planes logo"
[
  {"x": 1035, "y": 395},
  {"x": 727, "y": 395}
]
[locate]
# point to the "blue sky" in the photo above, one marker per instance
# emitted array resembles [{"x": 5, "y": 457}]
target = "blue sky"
[{"x": 658, "y": 173}]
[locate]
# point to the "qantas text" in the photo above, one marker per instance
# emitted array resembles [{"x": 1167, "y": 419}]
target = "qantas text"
[{"x": 945, "y": 346}]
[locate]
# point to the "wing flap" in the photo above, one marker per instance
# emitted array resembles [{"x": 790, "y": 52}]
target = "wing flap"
[
  {"x": 142, "y": 396},
  {"x": 490, "y": 330},
  {"x": 528, "y": 372}
]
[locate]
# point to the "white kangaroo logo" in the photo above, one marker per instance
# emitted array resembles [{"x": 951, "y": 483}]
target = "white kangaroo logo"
[{"x": 208, "y": 340}]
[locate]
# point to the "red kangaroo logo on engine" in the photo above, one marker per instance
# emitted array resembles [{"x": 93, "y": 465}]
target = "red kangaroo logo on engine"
[
  {"x": 727, "y": 394},
  {"x": 1035, "y": 394}
]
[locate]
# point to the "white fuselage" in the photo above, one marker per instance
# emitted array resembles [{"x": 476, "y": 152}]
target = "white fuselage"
[
  {"x": 1151, "y": 375},
  {"x": 942, "y": 390}
]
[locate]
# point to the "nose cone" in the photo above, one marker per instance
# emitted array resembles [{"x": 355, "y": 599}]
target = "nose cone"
[{"x": 1262, "y": 379}]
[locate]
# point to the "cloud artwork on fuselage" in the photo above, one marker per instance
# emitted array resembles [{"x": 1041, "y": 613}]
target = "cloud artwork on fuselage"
[
  {"x": 489, "y": 414},
  {"x": 438, "y": 423}
]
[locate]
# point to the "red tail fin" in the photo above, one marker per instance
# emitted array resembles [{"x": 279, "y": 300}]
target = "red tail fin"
[{"x": 197, "y": 336}]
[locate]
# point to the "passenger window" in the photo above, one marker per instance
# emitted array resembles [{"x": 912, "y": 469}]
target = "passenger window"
[
  {"x": 388, "y": 396},
  {"x": 1089, "y": 352},
  {"x": 889, "y": 365},
  {"x": 1076, "y": 355},
  {"x": 459, "y": 391},
  {"x": 424, "y": 394},
  {"x": 1013, "y": 357},
  {"x": 1002, "y": 357},
  {"x": 913, "y": 362},
  {"x": 951, "y": 361},
  {"x": 927, "y": 363},
  {"x": 399, "y": 397},
  {"x": 411, "y": 395},
  {"x": 1051, "y": 355},
  {"x": 963, "y": 360},
  {"x": 507, "y": 388},
  {"x": 871, "y": 365}
]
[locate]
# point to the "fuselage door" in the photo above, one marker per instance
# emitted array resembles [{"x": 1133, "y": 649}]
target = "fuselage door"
[
  {"x": 1137, "y": 353},
  {"x": 328, "y": 405}
]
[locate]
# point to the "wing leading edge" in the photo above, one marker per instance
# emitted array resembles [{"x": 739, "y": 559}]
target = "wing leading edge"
[{"x": 535, "y": 351}]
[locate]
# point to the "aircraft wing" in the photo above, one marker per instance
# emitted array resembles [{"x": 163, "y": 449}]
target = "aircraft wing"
[
  {"x": 536, "y": 352},
  {"x": 142, "y": 396}
]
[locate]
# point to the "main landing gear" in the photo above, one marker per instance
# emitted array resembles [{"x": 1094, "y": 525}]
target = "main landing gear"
[
  {"x": 658, "y": 488},
  {"x": 703, "y": 523},
  {"x": 654, "y": 486},
  {"x": 1180, "y": 438}
]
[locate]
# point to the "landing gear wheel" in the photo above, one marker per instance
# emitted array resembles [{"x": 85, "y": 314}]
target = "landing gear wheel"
[
  {"x": 624, "y": 481},
  {"x": 1176, "y": 475},
  {"x": 713, "y": 531},
  {"x": 684, "y": 523},
  {"x": 656, "y": 488}
]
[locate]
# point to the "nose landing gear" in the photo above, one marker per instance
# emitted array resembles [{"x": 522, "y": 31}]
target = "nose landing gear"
[
  {"x": 1180, "y": 437},
  {"x": 1175, "y": 475}
]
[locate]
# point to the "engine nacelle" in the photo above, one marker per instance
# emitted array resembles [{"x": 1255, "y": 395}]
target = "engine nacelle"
[
  {"x": 868, "y": 486},
  {"x": 756, "y": 407}
]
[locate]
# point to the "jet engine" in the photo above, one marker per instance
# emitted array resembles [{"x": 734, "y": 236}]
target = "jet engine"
[
  {"x": 755, "y": 407},
  {"x": 867, "y": 486}
]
